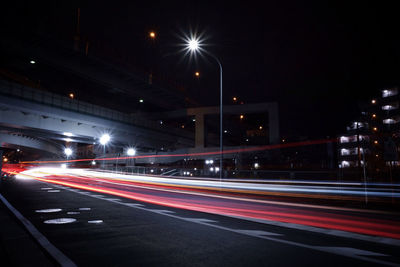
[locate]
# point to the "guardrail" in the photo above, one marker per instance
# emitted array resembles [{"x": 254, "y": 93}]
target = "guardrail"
[{"x": 55, "y": 100}]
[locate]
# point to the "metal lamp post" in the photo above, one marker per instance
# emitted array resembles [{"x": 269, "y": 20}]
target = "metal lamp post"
[{"x": 193, "y": 46}]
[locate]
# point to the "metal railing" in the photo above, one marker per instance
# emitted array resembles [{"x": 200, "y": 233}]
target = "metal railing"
[{"x": 27, "y": 93}]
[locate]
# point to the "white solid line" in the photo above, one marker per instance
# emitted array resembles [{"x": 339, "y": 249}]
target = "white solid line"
[{"x": 39, "y": 237}]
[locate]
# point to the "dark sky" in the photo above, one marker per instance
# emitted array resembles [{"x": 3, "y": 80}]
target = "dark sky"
[{"x": 317, "y": 60}]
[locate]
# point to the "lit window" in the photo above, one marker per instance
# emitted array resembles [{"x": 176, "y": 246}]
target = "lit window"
[
  {"x": 345, "y": 164},
  {"x": 344, "y": 152},
  {"x": 389, "y": 92},
  {"x": 389, "y": 121}
]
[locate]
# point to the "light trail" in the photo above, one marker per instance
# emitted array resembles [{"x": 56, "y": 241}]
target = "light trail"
[
  {"x": 228, "y": 151},
  {"x": 239, "y": 206}
]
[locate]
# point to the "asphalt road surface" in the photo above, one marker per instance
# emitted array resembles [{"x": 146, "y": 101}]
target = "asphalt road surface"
[{"x": 107, "y": 230}]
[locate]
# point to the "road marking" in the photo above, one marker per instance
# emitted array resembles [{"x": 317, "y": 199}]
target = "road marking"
[
  {"x": 352, "y": 251},
  {"x": 339, "y": 233},
  {"x": 60, "y": 221},
  {"x": 132, "y": 204},
  {"x": 161, "y": 211},
  {"x": 48, "y": 210},
  {"x": 84, "y": 208},
  {"x": 113, "y": 199},
  {"x": 73, "y": 212},
  {"x": 46, "y": 188},
  {"x": 53, "y": 191},
  {"x": 257, "y": 233},
  {"x": 96, "y": 221},
  {"x": 265, "y": 237},
  {"x": 198, "y": 220},
  {"x": 54, "y": 252}
]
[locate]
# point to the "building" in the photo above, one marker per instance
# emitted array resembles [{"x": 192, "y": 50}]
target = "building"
[{"x": 370, "y": 147}]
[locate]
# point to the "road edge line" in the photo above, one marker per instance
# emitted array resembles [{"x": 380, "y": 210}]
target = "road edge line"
[{"x": 54, "y": 252}]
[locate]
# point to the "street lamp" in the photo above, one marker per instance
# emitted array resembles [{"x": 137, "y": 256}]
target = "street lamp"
[
  {"x": 104, "y": 139},
  {"x": 131, "y": 151},
  {"x": 67, "y": 152},
  {"x": 193, "y": 45}
]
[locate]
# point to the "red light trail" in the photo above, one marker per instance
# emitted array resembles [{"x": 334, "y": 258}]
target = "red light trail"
[{"x": 241, "y": 206}]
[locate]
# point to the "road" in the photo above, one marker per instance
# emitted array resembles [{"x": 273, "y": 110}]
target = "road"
[{"x": 119, "y": 222}]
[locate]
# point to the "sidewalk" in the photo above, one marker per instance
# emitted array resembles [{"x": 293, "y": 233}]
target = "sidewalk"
[{"x": 17, "y": 247}]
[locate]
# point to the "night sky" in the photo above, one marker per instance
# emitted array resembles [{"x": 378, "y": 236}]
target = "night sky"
[{"x": 317, "y": 60}]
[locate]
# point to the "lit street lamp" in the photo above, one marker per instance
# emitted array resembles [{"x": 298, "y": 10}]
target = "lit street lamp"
[
  {"x": 104, "y": 139},
  {"x": 131, "y": 152},
  {"x": 67, "y": 152},
  {"x": 193, "y": 46}
]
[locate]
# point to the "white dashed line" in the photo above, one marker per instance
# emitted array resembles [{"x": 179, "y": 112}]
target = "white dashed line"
[
  {"x": 60, "y": 221},
  {"x": 95, "y": 221},
  {"x": 48, "y": 210}
]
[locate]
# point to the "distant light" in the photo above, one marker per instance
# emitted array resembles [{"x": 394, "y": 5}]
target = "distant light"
[
  {"x": 388, "y": 107},
  {"x": 182, "y": 126},
  {"x": 195, "y": 169},
  {"x": 18, "y": 150},
  {"x": 141, "y": 100},
  {"x": 68, "y": 151},
  {"x": 283, "y": 140},
  {"x": 68, "y": 134},
  {"x": 193, "y": 44},
  {"x": 212, "y": 169},
  {"x": 193, "y": 120},
  {"x": 376, "y": 142},
  {"x": 152, "y": 35},
  {"x": 225, "y": 131},
  {"x": 32, "y": 62},
  {"x": 71, "y": 95},
  {"x": 241, "y": 117},
  {"x": 93, "y": 162},
  {"x": 234, "y": 98},
  {"x": 5, "y": 159},
  {"x": 197, "y": 74},
  {"x": 373, "y": 101},
  {"x": 247, "y": 140},
  {"x": 373, "y": 115},
  {"x": 104, "y": 139},
  {"x": 260, "y": 127},
  {"x": 151, "y": 170},
  {"x": 377, "y": 155},
  {"x": 161, "y": 122},
  {"x": 63, "y": 166},
  {"x": 131, "y": 152},
  {"x": 375, "y": 129},
  {"x": 256, "y": 165},
  {"x": 216, "y": 169}
]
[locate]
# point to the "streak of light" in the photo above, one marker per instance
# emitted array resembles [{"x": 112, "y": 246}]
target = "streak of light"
[
  {"x": 323, "y": 219},
  {"x": 350, "y": 224},
  {"x": 228, "y": 151}
]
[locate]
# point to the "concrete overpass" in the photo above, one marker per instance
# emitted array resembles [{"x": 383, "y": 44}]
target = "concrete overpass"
[{"x": 41, "y": 115}]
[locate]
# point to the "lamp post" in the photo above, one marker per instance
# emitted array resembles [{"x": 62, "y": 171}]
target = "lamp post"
[
  {"x": 131, "y": 152},
  {"x": 104, "y": 139},
  {"x": 67, "y": 152},
  {"x": 193, "y": 46}
]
